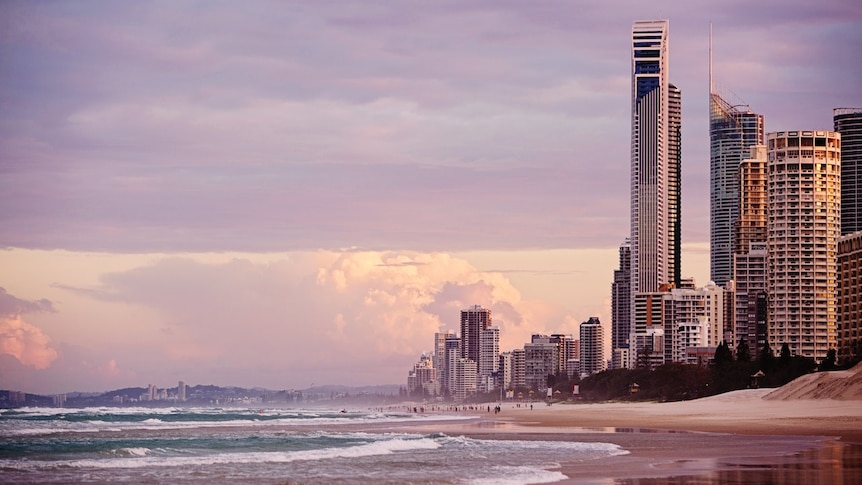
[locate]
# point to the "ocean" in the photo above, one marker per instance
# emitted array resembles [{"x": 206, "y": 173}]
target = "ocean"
[{"x": 266, "y": 445}]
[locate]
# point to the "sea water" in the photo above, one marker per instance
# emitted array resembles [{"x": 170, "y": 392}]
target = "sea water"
[{"x": 279, "y": 446}]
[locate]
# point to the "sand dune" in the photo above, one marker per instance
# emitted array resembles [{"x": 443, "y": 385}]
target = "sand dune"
[{"x": 840, "y": 385}]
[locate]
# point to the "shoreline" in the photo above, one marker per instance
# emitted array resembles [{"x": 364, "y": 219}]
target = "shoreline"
[{"x": 737, "y": 437}]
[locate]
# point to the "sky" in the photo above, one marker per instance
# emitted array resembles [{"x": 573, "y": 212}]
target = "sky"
[{"x": 287, "y": 194}]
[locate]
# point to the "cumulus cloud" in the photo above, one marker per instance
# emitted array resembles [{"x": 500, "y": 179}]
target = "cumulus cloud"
[
  {"x": 355, "y": 316},
  {"x": 26, "y": 342}
]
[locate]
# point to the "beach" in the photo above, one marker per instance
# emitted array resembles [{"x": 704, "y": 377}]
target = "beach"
[
  {"x": 737, "y": 437},
  {"x": 742, "y": 437}
]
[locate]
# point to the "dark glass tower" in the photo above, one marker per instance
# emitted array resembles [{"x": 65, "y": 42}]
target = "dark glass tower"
[
  {"x": 733, "y": 130},
  {"x": 848, "y": 122}
]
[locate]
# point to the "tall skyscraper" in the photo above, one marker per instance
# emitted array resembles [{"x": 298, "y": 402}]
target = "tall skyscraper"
[
  {"x": 473, "y": 321},
  {"x": 656, "y": 172},
  {"x": 649, "y": 156},
  {"x": 804, "y": 214},
  {"x": 848, "y": 122},
  {"x": 733, "y": 130}
]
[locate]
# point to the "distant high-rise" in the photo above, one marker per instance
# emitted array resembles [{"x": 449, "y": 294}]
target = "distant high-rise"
[
  {"x": 804, "y": 177},
  {"x": 733, "y": 130},
  {"x": 848, "y": 122},
  {"x": 489, "y": 357},
  {"x": 650, "y": 195},
  {"x": 473, "y": 321},
  {"x": 181, "y": 391},
  {"x": 592, "y": 347}
]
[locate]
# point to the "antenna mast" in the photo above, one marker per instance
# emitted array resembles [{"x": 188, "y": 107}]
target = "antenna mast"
[{"x": 710, "y": 59}]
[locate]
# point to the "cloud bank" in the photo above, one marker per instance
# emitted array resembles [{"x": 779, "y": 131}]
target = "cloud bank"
[{"x": 334, "y": 317}]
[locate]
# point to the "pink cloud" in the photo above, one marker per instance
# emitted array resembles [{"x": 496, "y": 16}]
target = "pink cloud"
[{"x": 26, "y": 342}]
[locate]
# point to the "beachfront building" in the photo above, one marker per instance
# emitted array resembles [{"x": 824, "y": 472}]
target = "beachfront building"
[
  {"x": 541, "y": 358},
  {"x": 848, "y": 122},
  {"x": 751, "y": 299},
  {"x": 568, "y": 350},
  {"x": 804, "y": 184},
  {"x": 473, "y": 321},
  {"x": 489, "y": 358},
  {"x": 648, "y": 323},
  {"x": 749, "y": 259},
  {"x": 422, "y": 379},
  {"x": 519, "y": 369},
  {"x": 505, "y": 370},
  {"x": 440, "y": 339},
  {"x": 466, "y": 379},
  {"x": 592, "y": 355},
  {"x": 452, "y": 352},
  {"x": 694, "y": 318},
  {"x": 849, "y": 341}
]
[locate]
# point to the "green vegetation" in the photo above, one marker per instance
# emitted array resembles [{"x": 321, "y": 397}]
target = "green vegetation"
[{"x": 728, "y": 371}]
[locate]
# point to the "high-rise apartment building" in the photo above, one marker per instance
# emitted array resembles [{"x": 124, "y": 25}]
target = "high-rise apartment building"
[
  {"x": 592, "y": 338},
  {"x": 506, "y": 370},
  {"x": 674, "y": 185},
  {"x": 489, "y": 358},
  {"x": 541, "y": 358},
  {"x": 750, "y": 304},
  {"x": 569, "y": 352},
  {"x": 750, "y": 223},
  {"x": 473, "y": 321},
  {"x": 848, "y": 122},
  {"x": 440, "y": 350},
  {"x": 519, "y": 372},
  {"x": 621, "y": 299},
  {"x": 804, "y": 222},
  {"x": 451, "y": 354},
  {"x": 649, "y": 156},
  {"x": 749, "y": 247},
  {"x": 850, "y": 297},
  {"x": 466, "y": 377}
]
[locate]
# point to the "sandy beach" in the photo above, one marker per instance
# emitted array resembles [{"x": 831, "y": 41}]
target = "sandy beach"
[{"x": 737, "y": 437}]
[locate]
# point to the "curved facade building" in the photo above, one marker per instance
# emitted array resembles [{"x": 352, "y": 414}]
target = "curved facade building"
[
  {"x": 733, "y": 130},
  {"x": 803, "y": 226}
]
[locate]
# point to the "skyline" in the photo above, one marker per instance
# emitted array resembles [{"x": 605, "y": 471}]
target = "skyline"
[{"x": 200, "y": 193}]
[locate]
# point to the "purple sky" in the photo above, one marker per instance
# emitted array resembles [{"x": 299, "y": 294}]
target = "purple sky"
[{"x": 413, "y": 128}]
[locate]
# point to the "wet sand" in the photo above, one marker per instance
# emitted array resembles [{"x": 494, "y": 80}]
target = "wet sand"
[{"x": 737, "y": 437}]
